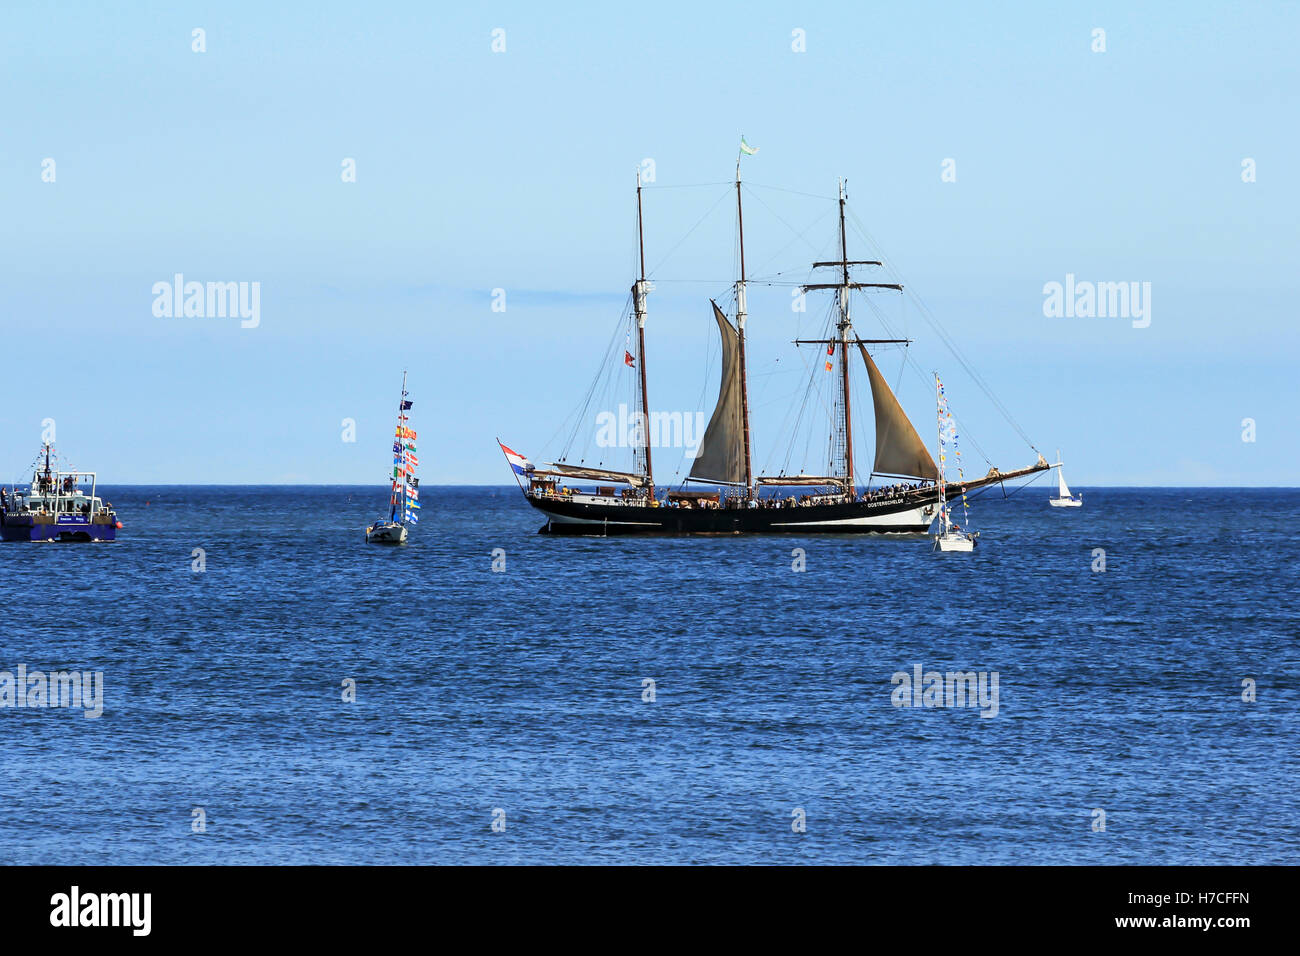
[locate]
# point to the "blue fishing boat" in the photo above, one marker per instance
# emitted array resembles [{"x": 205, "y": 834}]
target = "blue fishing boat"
[{"x": 58, "y": 505}]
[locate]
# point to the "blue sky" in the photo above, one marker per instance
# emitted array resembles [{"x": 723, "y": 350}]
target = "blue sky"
[{"x": 479, "y": 170}]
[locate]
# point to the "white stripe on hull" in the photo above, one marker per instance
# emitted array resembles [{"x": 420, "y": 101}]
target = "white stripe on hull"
[{"x": 906, "y": 519}]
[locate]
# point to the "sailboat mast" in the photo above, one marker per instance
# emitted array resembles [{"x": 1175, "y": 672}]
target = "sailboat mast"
[
  {"x": 844, "y": 327},
  {"x": 938, "y": 415},
  {"x": 399, "y": 480},
  {"x": 639, "y": 291},
  {"x": 740, "y": 324}
]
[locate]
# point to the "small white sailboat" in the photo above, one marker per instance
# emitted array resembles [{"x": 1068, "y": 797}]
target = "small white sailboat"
[
  {"x": 951, "y": 537},
  {"x": 1063, "y": 499},
  {"x": 404, "y": 497}
]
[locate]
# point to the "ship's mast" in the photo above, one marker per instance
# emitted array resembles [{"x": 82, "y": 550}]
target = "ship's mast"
[
  {"x": 740, "y": 325},
  {"x": 639, "y": 290},
  {"x": 845, "y": 326}
]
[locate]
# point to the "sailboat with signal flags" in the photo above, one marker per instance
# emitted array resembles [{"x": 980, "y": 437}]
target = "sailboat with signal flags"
[
  {"x": 723, "y": 493},
  {"x": 404, "y": 490},
  {"x": 951, "y": 536}
]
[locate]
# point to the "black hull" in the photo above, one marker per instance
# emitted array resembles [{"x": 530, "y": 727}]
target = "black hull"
[{"x": 910, "y": 515}]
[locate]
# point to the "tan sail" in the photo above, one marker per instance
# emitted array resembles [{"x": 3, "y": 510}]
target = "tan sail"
[
  {"x": 795, "y": 480},
  {"x": 899, "y": 449},
  {"x": 721, "y": 456},
  {"x": 592, "y": 474}
]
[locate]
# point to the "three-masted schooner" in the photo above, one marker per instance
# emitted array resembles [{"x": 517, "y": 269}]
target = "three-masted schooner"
[{"x": 830, "y": 503}]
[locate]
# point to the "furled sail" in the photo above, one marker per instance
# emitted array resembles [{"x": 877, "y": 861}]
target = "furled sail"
[
  {"x": 899, "y": 449},
  {"x": 797, "y": 480},
  {"x": 592, "y": 474},
  {"x": 721, "y": 456}
]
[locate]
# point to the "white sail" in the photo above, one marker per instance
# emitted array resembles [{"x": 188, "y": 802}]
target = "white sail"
[
  {"x": 1060, "y": 482},
  {"x": 1063, "y": 497}
]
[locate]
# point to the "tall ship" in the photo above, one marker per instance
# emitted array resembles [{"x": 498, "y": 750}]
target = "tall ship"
[
  {"x": 903, "y": 491},
  {"x": 60, "y": 504}
]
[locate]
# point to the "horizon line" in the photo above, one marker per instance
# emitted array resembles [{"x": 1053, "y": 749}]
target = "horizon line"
[{"x": 345, "y": 484}]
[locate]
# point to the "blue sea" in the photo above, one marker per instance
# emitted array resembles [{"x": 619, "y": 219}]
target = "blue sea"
[{"x": 520, "y": 696}]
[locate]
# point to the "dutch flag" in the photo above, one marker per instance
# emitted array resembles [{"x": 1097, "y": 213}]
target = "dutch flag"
[{"x": 518, "y": 462}]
